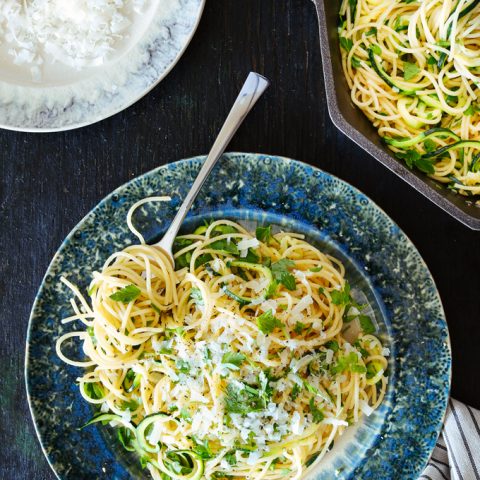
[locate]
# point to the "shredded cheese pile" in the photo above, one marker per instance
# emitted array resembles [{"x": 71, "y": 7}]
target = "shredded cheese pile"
[
  {"x": 76, "y": 33},
  {"x": 247, "y": 359}
]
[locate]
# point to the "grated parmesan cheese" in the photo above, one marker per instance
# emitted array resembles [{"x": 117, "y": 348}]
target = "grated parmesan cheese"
[
  {"x": 245, "y": 244},
  {"x": 76, "y": 33}
]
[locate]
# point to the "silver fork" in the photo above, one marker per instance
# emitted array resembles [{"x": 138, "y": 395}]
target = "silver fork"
[{"x": 252, "y": 90}]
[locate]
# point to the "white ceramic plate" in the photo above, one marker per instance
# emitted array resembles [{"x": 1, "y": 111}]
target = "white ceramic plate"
[{"x": 67, "y": 98}]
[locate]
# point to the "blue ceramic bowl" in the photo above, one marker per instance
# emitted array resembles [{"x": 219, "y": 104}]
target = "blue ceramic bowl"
[{"x": 393, "y": 443}]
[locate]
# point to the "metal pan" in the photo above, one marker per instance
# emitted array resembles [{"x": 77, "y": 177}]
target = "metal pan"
[{"x": 352, "y": 122}]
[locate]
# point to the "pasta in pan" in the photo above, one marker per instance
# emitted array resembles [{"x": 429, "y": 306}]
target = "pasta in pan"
[{"x": 413, "y": 68}]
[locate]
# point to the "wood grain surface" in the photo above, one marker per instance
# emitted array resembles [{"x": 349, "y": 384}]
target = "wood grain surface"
[{"x": 49, "y": 182}]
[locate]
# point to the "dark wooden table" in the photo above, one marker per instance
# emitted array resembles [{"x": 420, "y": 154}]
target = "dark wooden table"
[{"x": 49, "y": 182}]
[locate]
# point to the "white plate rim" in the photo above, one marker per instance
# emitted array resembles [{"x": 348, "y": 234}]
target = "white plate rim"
[{"x": 128, "y": 104}]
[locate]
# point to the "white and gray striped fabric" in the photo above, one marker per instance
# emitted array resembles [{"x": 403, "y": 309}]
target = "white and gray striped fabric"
[{"x": 457, "y": 454}]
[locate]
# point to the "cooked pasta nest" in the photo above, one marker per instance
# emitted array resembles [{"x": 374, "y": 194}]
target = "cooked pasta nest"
[{"x": 246, "y": 359}]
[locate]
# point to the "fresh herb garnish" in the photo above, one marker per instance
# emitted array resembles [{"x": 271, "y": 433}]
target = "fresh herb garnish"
[
  {"x": 299, "y": 327},
  {"x": 295, "y": 391},
  {"x": 202, "y": 259},
  {"x": 251, "y": 257},
  {"x": 267, "y": 322},
  {"x": 346, "y": 43},
  {"x": 243, "y": 399},
  {"x": 348, "y": 363},
  {"x": 316, "y": 269},
  {"x": 131, "y": 405},
  {"x": 410, "y": 70},
  {"x": 413, "y": 158},
  {"x": 373, "y": 368},
  {"x": 202, "y": 448},
  {"x": 232, "y": 358},
  {"x": 196, "y": 296},
  {"x": 125, "y": 437},
  {"x": 170, "y": 332},
  {"x": 282, "y": 275},
  {"x": 429, "y": 145},
  {"x": 366, "y": 324},
  {"x": 231, "y": 457},
  {"x": 126, "y": 294},
  {"x": 271, "y": 289},
  {"x": 182, "y": 366},
  {"x": 225, "y": 246},
  {"x": 341, "y": 297},
  {"x": 332, "y": 345},
  {"x": 185, "y": 415},
  {"x": 264, "y": 234},
  {"x": 362, "y": 350},
  {"x": 317, "y": 414}
]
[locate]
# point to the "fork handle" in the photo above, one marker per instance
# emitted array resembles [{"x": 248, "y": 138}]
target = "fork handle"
[{"x": 253, "y": 88}]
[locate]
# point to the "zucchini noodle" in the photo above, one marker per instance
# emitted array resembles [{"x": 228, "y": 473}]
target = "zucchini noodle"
[
  {"x": 247, "y": 359},
  {"x": 413, "y": 68}
]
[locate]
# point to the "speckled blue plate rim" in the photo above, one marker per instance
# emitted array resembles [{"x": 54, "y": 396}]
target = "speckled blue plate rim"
[{"x": 406, "y": 444}]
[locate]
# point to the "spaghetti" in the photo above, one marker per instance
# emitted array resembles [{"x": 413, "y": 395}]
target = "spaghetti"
[
  {"x": 234, "y": 363},
  {"x": 413, "y": 68}
]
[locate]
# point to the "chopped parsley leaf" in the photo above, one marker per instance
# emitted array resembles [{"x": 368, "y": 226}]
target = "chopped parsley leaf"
[
  {"x": 243, "y": 400},
  {"x": 366, "y": 324},
  {"x": 271, "y": 289},
  {"x": 295, "y": 391},
  {"x": 341, "y": 297},
  {"x": 196, "y": 296},
  {"x": 299, "y": 327},
  {"x": 429, "y": 145},
  {"x": 182, "y": 366},
  {"x": 231, "y": 458},
  {"x": 362, "y": 350},
  {"x": 185, "y": 415},
  {"x": 281, "y": 273},
  {"x": 267, "y": 322},
  {"x": 131, "y": 405},
  {"x": 413, "y": 158},
  {"x": 410, "y": 70},
  {"x": 225, "y": 246},
  {"x": 346, "y": 43},
  {"x": 126, "y": 294},
  {"x": 348, "y": 363},
  {"x": 264, "y": 234},
  {"x": 332, "y": 345},
  {"x": 232, "y": 358},
  {"x": 202, "y": 448},
  {"x": 373, "y": 368},
  {"x": 317, "y": 414}
]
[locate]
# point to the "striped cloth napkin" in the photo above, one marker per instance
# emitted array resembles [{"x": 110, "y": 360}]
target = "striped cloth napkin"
[{"x": 457, "y": 454}]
